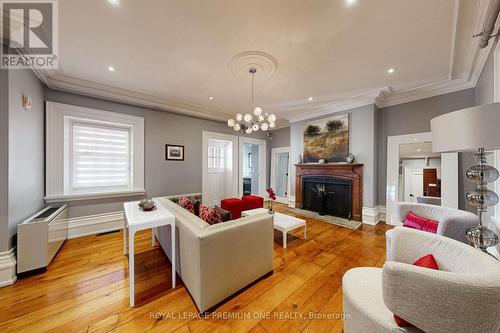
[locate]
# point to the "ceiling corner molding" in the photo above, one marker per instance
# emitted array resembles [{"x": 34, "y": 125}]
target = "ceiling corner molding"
[
  {"x": 99, "y": 90},
  {"x": 425, "y": 91},
  {"x": 340, "y": 105}
]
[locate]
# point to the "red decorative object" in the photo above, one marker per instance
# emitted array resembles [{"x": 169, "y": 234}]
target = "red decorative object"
[
  {"x": 420, "y": 223},
  {"x": 271, "y": 193},
  {"x": 209, "y": 215},
  {"x": 186, "y": 204},
  {"x": 427, "y": 261},
  {"x": 234, "y": 205},
  {"x": 252, "y": 202}
]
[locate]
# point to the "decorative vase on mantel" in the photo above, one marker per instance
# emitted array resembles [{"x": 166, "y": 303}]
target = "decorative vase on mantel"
[{"x": 272, "y": 197}]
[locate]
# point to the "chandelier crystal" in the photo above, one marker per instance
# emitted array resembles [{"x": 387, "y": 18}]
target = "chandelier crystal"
[{"x": 252, "y": 123}]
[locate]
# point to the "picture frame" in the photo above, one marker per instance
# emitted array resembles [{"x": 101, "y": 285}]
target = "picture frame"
[{"x": 174, "y": 152}]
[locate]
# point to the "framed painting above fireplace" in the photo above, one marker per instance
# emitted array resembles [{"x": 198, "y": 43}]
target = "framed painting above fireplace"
[{"x": 327, "y": 139}]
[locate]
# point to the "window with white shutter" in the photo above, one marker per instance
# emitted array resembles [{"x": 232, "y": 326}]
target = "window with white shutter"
[
  {"x": 92, "y": 153},
  {"x": 101, "y": 157}
]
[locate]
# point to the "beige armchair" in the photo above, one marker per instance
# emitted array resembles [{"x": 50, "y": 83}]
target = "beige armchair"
[
  {"x": 463, "y": 296},
  {"x": 453, "y": 223}
]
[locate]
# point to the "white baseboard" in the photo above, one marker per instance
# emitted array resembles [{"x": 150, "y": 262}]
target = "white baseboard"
[
  {"x": 291, "y": 201},
  {"x": 93, "y": 224},
  {"x": 373, "y": 216},
  {"x": 8, "y": 267}
]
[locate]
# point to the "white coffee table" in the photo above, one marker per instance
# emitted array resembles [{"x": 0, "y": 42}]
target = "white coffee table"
[
  {"x": 136, "y": 219},
  {"x": 282, "y": 222}
]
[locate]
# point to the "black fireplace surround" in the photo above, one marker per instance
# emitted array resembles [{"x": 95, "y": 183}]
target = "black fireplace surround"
[{"x": 337, "y": 200}]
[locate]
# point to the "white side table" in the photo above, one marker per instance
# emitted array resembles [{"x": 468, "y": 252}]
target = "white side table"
[
  {"x": 281, "y": 222},
  {"x": 135, "y": 220}
]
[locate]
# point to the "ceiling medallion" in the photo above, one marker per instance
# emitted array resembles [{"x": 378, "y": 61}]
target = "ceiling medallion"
[
  {"x": 251, "y": 123},
  {"x": 264, "y": 63}
]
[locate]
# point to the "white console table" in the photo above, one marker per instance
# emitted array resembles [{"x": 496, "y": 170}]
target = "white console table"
[{"x": 135, "y": 220}]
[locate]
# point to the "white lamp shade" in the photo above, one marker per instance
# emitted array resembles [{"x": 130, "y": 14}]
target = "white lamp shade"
[{"x": 467, "y": 129}]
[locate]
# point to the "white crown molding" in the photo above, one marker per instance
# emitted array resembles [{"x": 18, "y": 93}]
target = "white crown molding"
[
  {"x": 339, "y": 105},
  {"x": 383, "y": 97},
  {"x": 8, "y": 267},
  {"x": 70, "y": 84}
]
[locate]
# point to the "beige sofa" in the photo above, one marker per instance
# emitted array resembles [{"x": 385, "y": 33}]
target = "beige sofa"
[
  {"x": 462, "y": 297},
  {"x": 215, "y": 261}
]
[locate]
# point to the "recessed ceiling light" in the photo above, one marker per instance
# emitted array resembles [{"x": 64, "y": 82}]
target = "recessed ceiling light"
[
  {"x": 211, "y": 98},
  {"x": 310, "y": 99},
  {"x": 111, "y": 68},
  {"x": 350, "y": 2},
  {"x": 391, "y": 70},
  {"x": 114, "y": 2},
  {"x": 419, "y": 149}
]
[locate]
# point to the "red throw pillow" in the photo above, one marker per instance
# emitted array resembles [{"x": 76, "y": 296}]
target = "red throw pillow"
[
  {"x": 186, "y": 204},
  {"x": 427, "y": 261},
  {"x": 414, "y": 221},
  {"x": 431, "y": 226},
  {"x": 209, "y": 215}
]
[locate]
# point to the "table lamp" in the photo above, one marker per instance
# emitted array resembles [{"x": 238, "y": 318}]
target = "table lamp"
[{"x": 474, "y": 129}]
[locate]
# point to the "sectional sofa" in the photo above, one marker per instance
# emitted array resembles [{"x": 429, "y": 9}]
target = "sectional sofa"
[{"x": 215, "y": 261}]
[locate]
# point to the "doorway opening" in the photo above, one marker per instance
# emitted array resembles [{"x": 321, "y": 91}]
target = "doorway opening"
[
  {"x": 280, "y": 164},
  {"x": 252, "y": 166}
]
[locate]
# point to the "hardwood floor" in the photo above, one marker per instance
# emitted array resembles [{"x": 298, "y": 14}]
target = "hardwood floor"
[{"x": 86, "y": 287}]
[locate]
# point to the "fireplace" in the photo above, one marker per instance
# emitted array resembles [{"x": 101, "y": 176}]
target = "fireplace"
[
  {"x": 327, "y": 195},
  {"x": 343, "y": 184}
]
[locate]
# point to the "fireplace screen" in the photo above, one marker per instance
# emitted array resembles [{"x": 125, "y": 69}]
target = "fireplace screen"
[{"x": 327, "y": 195}]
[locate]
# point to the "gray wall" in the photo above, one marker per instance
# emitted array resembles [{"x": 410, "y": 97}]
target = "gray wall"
[
  {"x": 161, "y": 177},
  {"x": 362, "y": 145},
  {"x": 415, "y": 117},
  {"x": 4, "y": 160},
  {"x": 26, "y": 149},
  {"x": 280, "y": 138}
]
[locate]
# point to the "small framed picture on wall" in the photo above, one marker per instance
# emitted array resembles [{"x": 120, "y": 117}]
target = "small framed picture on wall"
[{"x": 174, "y": 152}]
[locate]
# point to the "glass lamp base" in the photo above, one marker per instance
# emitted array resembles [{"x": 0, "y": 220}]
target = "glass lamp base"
[{"x": 481, "y": 237}]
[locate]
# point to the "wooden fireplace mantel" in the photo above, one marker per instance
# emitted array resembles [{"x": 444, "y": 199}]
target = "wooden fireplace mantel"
[{"x": 354, "y": 172}]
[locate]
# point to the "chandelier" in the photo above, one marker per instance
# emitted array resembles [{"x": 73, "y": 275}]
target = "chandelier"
[{"x": 252, "y": 123}]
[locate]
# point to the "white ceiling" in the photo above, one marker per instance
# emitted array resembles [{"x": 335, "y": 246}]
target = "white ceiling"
[
  {"x": 175, "y": 54},
  {"x": 417, "y": 150}
]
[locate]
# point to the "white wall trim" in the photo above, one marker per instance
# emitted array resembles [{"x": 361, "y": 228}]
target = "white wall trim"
[
  {"x": 8, "y": 267},
  {"x": 372, "y": 216},
  {"x": 92, "y": 196},
  {"x": 92, "y": 224},
  {"x": 291, "y": 201}
]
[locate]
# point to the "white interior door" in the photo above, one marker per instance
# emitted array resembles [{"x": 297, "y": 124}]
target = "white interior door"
[
  {"x": 218, "y": 173},
  {"x": 280, "y": 164},
  {"x": 220, "y": 167},
  {"x": 414, "y": 179}
]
